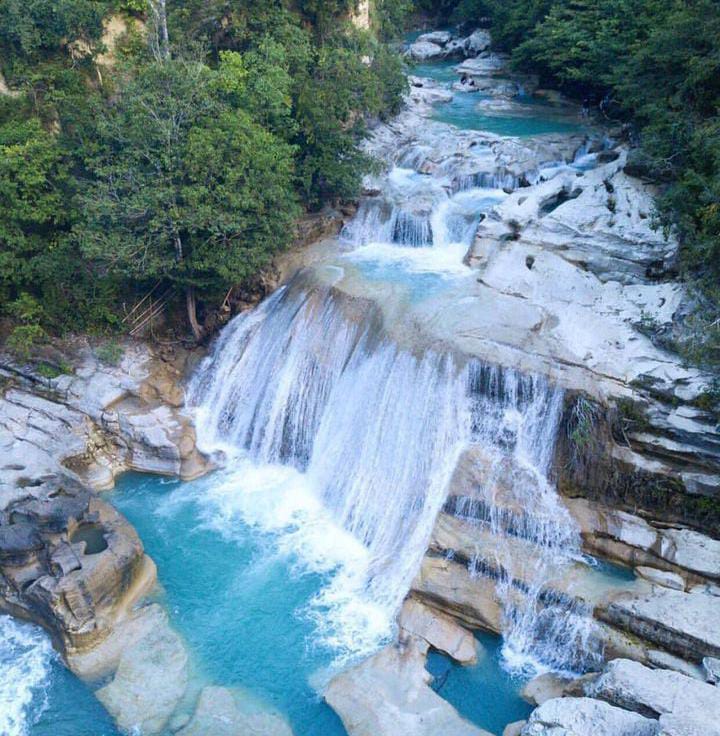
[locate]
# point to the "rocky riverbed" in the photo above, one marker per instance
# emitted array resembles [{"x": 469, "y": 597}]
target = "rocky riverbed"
[{"x": 531, "y": 256}]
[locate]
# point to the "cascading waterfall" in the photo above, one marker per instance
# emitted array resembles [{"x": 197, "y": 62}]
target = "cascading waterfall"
[
  {"x": 419, "y": 211},
  {"x": 309, "y": 380},
  {"x": 375, "y": 430},
  {"x": 534, "y": 540}
]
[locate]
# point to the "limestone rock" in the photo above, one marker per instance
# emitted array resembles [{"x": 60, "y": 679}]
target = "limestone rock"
[
  {"x": 438, "y": 37},
  {"x": 653, "y": 693},
  {"x": 389, "y": 695},
  {"x": 691, "y": 550},
  {"x": 424, "y": 51},
  {"x": 671, "y": 725},
  {"x": 150, "y": 681},
  {"x": 477, "y": 42},
  {"x": 438, "y": 630},
  {"x": 448, "y": 586},
  {"x": 661, "y": 577},
  {"x": 683, "y": 623},
  {"x": 221, "y": 712},
  {"x": 711, "y": 665},
  {"x": 514, "y": 729},
  {"x": 544, "y": 687},
  {"x": 68, "y": 560},
  {"x": 586, "y": 717},
  {"x": 666, "y": 661},
  {"x": 635, "y": 541}
]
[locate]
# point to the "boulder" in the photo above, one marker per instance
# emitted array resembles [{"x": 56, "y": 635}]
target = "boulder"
[
  {"x": 477, "y": 42},
  {"x": 389, "y": 695},
  {"x": 513, "y": 729},
  {"x": 586, "y": 717},
  {"x": 653, "y": 693},
  {"x": 544, "y": 687},
  {"x": 424, "y": 51},
  {"x": 439, "y": 630},
  {"x": 222, "y": 712},
  {"x": 149, "y": 683},
  {"x": 437, "y": 37}
]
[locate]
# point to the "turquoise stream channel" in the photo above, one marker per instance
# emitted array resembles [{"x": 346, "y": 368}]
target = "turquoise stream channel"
[
  {"x": 242, "y": 608},
  {"x": 463, "y": 110}
]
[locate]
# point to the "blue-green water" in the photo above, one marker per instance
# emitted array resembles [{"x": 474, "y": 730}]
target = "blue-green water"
[
  {"x": 235, "y": 600},
  {"x": 485, "y": 693},
  {"x": 38, "y": 696},
  {"x": 72, "y": 709},
  {"x": 440, "y": 71},
  {"x": 239, "y": 597},
  {"x": 462, "y": 111}
]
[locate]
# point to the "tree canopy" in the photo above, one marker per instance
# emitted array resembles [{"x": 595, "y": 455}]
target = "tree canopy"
[{"x": 186, "y": 164}]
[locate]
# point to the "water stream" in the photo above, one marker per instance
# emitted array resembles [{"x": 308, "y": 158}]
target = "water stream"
[{"x": 338, "y": 444}]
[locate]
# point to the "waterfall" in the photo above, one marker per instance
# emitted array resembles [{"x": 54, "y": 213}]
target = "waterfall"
[
  {"x": 308, "y": 380},
  {"x": 534, "y": 541},
  {"x": 418, "y": 211},
  {"x": 375, "y": 432}
]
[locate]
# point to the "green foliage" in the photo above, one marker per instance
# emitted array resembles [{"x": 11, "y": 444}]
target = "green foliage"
[
  {"x": 34, "y": 178},
  {"x": 110, "y": 352},
  {"x": 190, "y": 171},
  {"x": 52, "y": 370},
  {"x": 581, "y": 429},
  {"x": 390, "y": 17},
  {"x": 28, "y": 333},
  {"x": 34, "y": 30},
  {"x": 187, "y": 185},
  {"x": 134, "y": 7}
]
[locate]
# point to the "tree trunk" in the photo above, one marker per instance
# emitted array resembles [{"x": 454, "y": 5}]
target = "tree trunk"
[
  {"x": 162, "y": 52},
  {"x": 192, "y": 313}
]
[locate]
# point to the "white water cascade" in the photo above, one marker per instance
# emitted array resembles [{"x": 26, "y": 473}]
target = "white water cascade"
[
  {"x": 309, "y": 380},
  {"x": 375, "y": 432},
  {"x": 526, "y": 538},
  {"x": 416, "y": 210}
]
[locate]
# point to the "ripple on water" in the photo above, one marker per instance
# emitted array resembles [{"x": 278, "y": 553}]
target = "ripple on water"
[
  {"x": 38, "y": 695},
  {"x": 26, "y": 657}
]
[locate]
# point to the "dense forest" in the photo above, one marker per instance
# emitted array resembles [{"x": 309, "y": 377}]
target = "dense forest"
[
  {"x": 182, "y": 156},
  {"x": 186, "y": 159}
]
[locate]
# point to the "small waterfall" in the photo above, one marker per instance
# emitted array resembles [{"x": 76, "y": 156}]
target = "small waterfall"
[
  {"x": 490, "y": 180},
  {"x": 439, "y": 217},
  {"x": 309, "y": 380},
  {"x": 534, "y": 539}
]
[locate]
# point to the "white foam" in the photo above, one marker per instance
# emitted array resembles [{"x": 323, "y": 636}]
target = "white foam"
[
  {"x": 26, "y": 657},
  {"x": 280, "y": 500}
]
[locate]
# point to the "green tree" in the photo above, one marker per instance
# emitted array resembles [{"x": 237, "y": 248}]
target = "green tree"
[
  {"x": 31, "y": 30},
  {"x": 34, "y": 211},
  {"x": 186, "y": 188}
]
